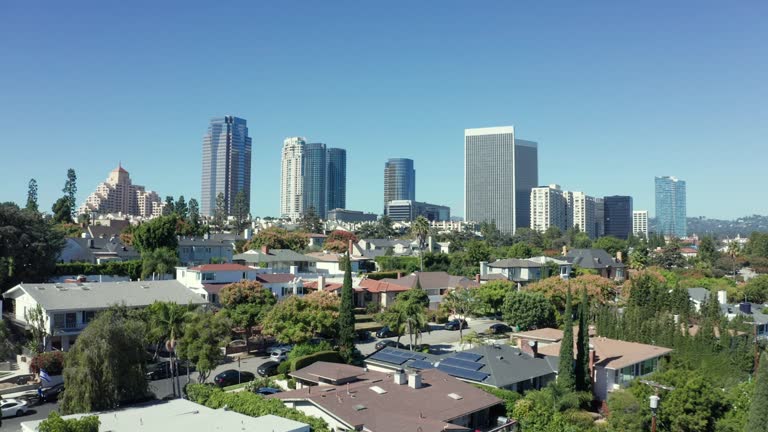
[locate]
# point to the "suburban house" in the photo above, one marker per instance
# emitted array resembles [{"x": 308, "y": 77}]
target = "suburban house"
[
  {"x": 598, "y": 260},
  {"x": 184, "y": 415},
  {"x": 96, "y": 250},
  {"x": 207, "y": 280},
  {"x": 277, "y": 260},
  {"x": 753, "y": 312},
  {"x": 69, "y": 307},
  {"x": 371, "y": 248},
  {"x": 614, "y": 363},
  {"x": 522, "y": 271},
  {"x": 500, "y": 366},
  {"x": 324, "y": 373},
  {"x": 330, "y": 262},
  {"x": 195, "y": 251},
  {"x": 426, "y": 401},
  {"x": 316, "y": 240},
  {"x": 435, "y": 284},
  {"x": 699, "y": 296}
]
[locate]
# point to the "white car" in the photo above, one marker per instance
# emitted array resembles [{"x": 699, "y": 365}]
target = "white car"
[
  {"x": 13, "y": 407},
  {"x": 278, "y": 356}
]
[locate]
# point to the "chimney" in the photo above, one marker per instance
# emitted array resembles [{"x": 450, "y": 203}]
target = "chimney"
[
  {"x": 320, "y": 282},
  {"x": 483, "y": 268},
  {"x": 90, "y": 243},
  {"x": 414, "y": 380},
  {"x": 530, "y": 348},
  {"x": 618, "y": 256},
  {"x": 722, "y": 297},
  {"x": 565, "y": 250},
  {"x": 477, "y": 278},
  {"x": 400, "y": 378},
  {"x": 294, "y": 270},
  {"x": 592, "y": 364},
  {"x": 265, "y": 249},
  {"x": 399, "y": 275}
]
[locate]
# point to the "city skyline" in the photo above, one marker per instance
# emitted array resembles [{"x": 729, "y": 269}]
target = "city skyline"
[{"x": 586, "y": 88}]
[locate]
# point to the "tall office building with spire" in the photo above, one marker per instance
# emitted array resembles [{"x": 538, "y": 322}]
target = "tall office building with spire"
[
  {"x": 499, "y": 173},
  {"x": 226, "y": 164},
  {"x": 671, "y": 207}
]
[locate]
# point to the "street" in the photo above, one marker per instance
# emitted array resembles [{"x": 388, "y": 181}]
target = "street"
[{"x": 438, "y": 338}]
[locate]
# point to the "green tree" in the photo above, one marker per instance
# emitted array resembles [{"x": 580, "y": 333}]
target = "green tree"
[
  {"x": 204, "y": 335},
  {"x": 420, "y": 230},
  {"x": 158, "y": 233},
  {"x": 759, "y": 408},
  {"x": 194, "y": 215},
  {"x": 160, "y": 262},
  {"x": 670, "y": 256},
  {"x": 38, "y": 330},
  {"x": 278, "y": 238},
  {"x": 756, "y": 290},
  {"x": 757, "y": 246},
  {"x": 626, "y": 412},
  {"x": 694, "y": 407},
  {"x": 298, "y": 319},
  {"x": 32, "y": 196},
  {"x": 70, "y": 190},
  {"x": 106, "y": 366},
  {"x": 62, "y": 211},
  {"x": 565, "y": 373},
  {"x": 180, "y": 208},
  {"x": 708, "y": 251},
  {"x": 246, "y": 303},
  {"x": 611, "y": 245},
  {"x": 407, "y": 314},
  {"x": 54, "y": 423},
  {"x": 240, "y": 211},
  {"x": 169, "y": 207},
  {"x": 528, "y": 310},
  {"x": 347, "y": 314},
  {"x": 220, "y": 213},
  {"x": 521, "y": 250},
  {"x": 310, "y": 221},
  {"x": 582, "y": 372},
  {"x": 461, "y": 302},
  {"x": 7, "y": 347},
  {"x": 167, "y": 321},
  {"x": 490, "y": 296}
]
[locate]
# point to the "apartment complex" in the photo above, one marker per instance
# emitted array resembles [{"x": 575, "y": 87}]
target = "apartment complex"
[
  {"x": 671, "y": 207},
  {"x": 407, "y": 210},
  {"x": 226, "y": 164},
  {"x": 581, "y": 212},
  {"x": 119, "y": 195},
  {"x": 499, "y": 173},
  {"x": 548, "y": 208},
  {"x": 640, "y": 223}
]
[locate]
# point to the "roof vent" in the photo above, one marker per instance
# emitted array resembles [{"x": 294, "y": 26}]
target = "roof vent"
[
  {"x": 40, "y": 288},
  {"x": 455, "y": 396},
  {"x": 145, "y": 286},
  {"x": 85, "y": 288},
  {"x": 359, "y": 407},
  {"x": 378, "y": 390}
]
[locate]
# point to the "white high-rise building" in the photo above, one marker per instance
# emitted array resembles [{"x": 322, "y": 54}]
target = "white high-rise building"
[
  {"x": 292, "y": 178},
  {"x": 640, "y": 223},
  {"x": 499, "y": 173},
  {"x": 581, "y": 212},
  {"x": 119, "y": 195},
  {"x": 548, "y": 208}
]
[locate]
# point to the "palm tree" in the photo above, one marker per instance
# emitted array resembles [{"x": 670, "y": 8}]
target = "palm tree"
[
  {"x": 167, "y": 320},
  {"x": 734, "y": 250},
  {"x": 420, "y": 229},
  {"x": 161, "y": 261}
]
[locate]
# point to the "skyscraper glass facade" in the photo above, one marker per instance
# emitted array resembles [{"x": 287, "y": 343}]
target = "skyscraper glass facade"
[
  {"x": 336, "y": 179},
  {"x": 315, "y": 164},
  {"x": 618, "y": 216},
  {"x": 399, "y": 181},
  {"x": 226, "y": 163},
  {"x": 671, "y": 207}
]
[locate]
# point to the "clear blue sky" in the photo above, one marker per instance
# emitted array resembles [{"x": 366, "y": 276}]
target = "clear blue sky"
[{"x": 614, "y": 92}]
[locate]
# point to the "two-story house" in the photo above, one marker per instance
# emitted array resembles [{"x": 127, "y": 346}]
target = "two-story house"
[
  {"x": 523, "y": 271},
  {"x": 277, "y": 260},
  {"x": 207, "y": 280},
  {"x": 196, "y": 250},
  {"x": 599, "y": 261},
  {"x": 69, "y": 307}
]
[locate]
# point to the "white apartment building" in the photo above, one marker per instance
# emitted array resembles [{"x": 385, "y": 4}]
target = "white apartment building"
[
  {"x": 640, "y": 223},
  {"x": 548, "y": 208},
  {"x": 118, "y": 195},
  {"x": 292, "y": 178},
  {"x": 581, "y": 212}
]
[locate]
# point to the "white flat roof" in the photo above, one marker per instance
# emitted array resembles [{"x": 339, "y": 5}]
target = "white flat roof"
[
  {"x": 182, "y": 415},
  {"x": 489, "y": 130}
]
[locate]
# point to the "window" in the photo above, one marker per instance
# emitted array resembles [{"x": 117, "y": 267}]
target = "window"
[
  {"x": 88, "y": 316},
  {"x": 208, "y": 276},
  {"x": 287, "y": 291},
  {"x": 647, "y": 366},
  {"x": 625, "y": 374},
  {"x": 58, "y": 320},
  {"x": 71, "y": 320}
]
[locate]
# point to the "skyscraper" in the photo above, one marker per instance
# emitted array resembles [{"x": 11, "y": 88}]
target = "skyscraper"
[
  {"x": 670, "y": 207},
  {"x": 599, "y": 217},
  {"x": 548, "y": 208},
  {"x": 499, "y": 173},
  {"x": 618, "y": 216},
  {"x": 399, "y": 181},
  {"x": 119, "y": 195},
  {"x": 640, "y": 223},
  {"x": 315, "y": 165},
  {"x": 226, "y": 163},
  {"x": 581, "y": 212},
  {"x": 336, "y": 179},
  {"x": 292, "y": 178}
]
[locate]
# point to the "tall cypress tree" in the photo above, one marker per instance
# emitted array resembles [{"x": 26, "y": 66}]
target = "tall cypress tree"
[
  {"x": 347, "y": 314},
  {"x": 583, "y": 377},
  {"x": 565, "y": 372},
  {"x": 756, "y": 421}
]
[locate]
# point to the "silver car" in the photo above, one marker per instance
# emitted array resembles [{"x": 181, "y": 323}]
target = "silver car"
[{"x": 13, "y": 407}]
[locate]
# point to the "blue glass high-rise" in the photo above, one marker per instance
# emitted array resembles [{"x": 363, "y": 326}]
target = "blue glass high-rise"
[
  {"x": 399, "y": 180},
  {"x": 336, "y": 179},
  {"x": 315, "y": 165},
  {"x": 226, "y": 164},
  {"x": 671, "y": 207}
]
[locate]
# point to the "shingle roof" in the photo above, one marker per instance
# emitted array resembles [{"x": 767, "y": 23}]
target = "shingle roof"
[
  {"x": 220, "y": 267},
  {"x": 105, "y": 246},
  {"x": 197, "y": 241},
  {"x": 379, "y": 286},
  {"x": 334, "y": 372},
  {"x": 274, "y": 255},
  {"x": 333, "y": 257},
  {"x": 275, "y": 277},
  {"x": 592, "y": 259},
  {"x": 514, "y": 263},
  {"x": 99, "y": 295},
  {"x": 431, "y": 280},
  {"x": 397, "y": 408},
  {"x": 699, "y": 294}
]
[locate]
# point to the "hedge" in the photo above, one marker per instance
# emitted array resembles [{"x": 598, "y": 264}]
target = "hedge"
[
  {"x": 51, "y": 362},
  {"x": 250, "y": 404},
  {"x": 383, "y": 275},
  {"x": 408, "y": 264},
  {"x": 132, "y": 269},
  {"x": 328, "y": 356}
]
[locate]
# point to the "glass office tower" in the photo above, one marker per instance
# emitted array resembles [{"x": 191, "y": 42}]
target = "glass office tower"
[
  {"x": 226, "y": 163},
  {"x": 336, "y": 179},
  {"x": 670, "y": 207},
  {"x": 618, "y": 216},
  {"x": 315, "y": 164},
  {"x": 399, "y": 181}
]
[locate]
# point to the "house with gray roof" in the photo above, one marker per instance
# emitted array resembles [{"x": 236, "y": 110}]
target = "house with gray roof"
[
  {"x": 200, "y": 250},
  {"x": 598, "y": 260},
  {"x": 523, "y": 271},
  {"x": 278, "y": 260},
  {"x": 97, "y": 250},
  {"x": 501, "y": 366},
  {"x": 69, "y": 307}
]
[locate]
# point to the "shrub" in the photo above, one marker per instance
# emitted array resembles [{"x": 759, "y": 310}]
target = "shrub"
[
  {"x": 284, "y": 367},
  {"x": 51, "y": 362},
  {"x": 292, "y": 384},
  {"x": 328, "y": 356},
  {"x": 383, "y": 275}
]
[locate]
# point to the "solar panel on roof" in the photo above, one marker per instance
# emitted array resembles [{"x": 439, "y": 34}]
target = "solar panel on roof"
[
  {"x": 468, "y": 356},
  {"x": 462, "y": 373},
  {"x": 451, "y": 361},
  {"x": 421, "y": 364},
  {"x": 389, "y": 358}
]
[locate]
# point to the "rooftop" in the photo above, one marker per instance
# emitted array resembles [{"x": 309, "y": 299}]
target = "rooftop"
[
  {"x": 514, "y": 263},
  {"x": 100, "y": 295},
  {"x": 272, "y": 255},
  {"x": 220, "y": 267},
  {"x": 335, "y": 373},
  {"x": 592, "y": 259},
  {"x": 183, "y": 415},
  {"x": 431, "y": 280}
]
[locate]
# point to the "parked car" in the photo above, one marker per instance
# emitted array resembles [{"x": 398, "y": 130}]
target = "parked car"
[
  {"x": 280, "y": 348},
  {"x": 162, "y": 370},
  {"x": 385, "y": 332},
  {"x": 268, "y": 368},
  {"x": 232, "y": 376},
  {"x": 362, "y": 335},
  {"x": 279, "y": 356},
  {"x": 51, "y": 394},
  {"x": 234, "y": 347},
  {"x": 499, "y": 328},
  {"x": 13, "y": 407},
  {"x": 380, "y": 345},
  {"x": 455, "y": 323},
  {"x": 267, "y": 391}
]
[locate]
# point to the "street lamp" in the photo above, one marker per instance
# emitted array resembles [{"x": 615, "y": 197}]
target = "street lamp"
[{"x": 654, "y": 406}]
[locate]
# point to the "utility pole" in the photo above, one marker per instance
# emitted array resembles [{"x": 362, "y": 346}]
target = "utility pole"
[{"x": 654, "y": 399}]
